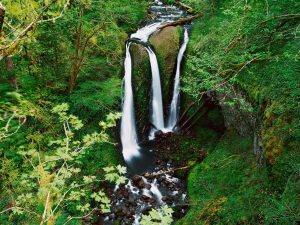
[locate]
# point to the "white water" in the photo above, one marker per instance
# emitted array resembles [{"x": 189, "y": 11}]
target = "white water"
[
  {"x": 156, "y": 192},
  {"x": 157, "y": 114},
  {"x": 128, "y": 130},
  {"x": 174, "y": 108},
  {"x": 144, "y": 33}
]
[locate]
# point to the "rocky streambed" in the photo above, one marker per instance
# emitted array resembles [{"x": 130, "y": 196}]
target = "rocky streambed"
[{"x": 147, "y": 191}]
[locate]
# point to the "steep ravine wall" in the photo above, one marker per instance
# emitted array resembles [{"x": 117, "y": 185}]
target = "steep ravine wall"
[{"x": 240, "y": 117}]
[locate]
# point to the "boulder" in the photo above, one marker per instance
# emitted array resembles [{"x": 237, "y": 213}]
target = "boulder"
[
  {"x": 166, "y": 44},
  {"x": 138, "y": 181}
]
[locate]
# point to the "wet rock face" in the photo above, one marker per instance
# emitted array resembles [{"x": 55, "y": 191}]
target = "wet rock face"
[
  {"x": 236, "y": 116},
  {"x": 166, "y": 43}
]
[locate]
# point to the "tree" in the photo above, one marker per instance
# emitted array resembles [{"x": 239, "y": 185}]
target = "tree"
[{"x": 83, "y": 37}]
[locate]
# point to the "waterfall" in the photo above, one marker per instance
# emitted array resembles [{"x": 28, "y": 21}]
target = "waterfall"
[
  {"x": 137, "y": 156},
  {"x": 174, "y": 108},
  {"x": 157, "y": 115},
  {"x": 128, "y": 130},
  {"x": 128, "y": 127}
]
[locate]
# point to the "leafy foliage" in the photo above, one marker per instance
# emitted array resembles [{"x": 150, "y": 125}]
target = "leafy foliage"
[
  {"x": 51, "y": 162},
  {"x": 162, "y": 216},
  {"x": 51, "y": 182}
]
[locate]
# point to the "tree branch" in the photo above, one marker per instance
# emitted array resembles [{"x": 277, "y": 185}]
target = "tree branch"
[
  {"x": 8, "y": 49},
  {"x": 281, "y": 17},
  {"x": 172, "y": 171}
]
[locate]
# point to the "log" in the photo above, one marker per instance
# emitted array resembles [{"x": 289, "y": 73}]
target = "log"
[
  {"x": 172, "y": 171},
  {"x": 180, "y": 21}
]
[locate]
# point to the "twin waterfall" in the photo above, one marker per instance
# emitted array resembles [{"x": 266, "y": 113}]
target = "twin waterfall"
[{"x": 128, "y": 127}]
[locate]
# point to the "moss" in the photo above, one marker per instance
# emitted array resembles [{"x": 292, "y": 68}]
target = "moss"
[
  {"x": 225, "y": 188},
  {"x": 229, "y": 188},
  {"x": 166, "y": 45}
]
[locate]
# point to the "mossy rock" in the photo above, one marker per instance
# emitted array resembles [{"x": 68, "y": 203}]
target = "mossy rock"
[{"x": 166, "y": 44}]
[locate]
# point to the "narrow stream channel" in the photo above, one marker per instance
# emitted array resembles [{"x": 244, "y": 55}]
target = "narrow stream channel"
[{"x": 149, "y": 186}]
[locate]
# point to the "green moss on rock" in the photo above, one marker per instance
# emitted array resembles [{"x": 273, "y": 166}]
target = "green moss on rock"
[{"x": 166, "y": 44}]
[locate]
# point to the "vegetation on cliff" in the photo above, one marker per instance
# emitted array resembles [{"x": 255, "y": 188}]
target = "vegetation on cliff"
[{"x": 250, "y": 46}]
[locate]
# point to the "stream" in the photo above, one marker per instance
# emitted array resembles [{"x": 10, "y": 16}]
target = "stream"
[{"x": 151, "y": 185}]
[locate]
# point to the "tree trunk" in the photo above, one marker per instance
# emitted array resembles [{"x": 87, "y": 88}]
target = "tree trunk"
[
  {"x": 2, "y": 16},
  {"x": 75, "y": 66},
  {"x": 12, "y": 79}
]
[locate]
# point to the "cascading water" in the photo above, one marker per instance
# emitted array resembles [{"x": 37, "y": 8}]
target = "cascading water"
[
  {"x": 174, "y": 108},
  {"x": 128, "y": 130},
  {"x": 157, "y": 114},
  {"x": 154, "y": 189}
]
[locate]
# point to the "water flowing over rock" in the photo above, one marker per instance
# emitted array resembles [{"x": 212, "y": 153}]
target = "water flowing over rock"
[
  {"x": 157, "y": 114},
  {"x": 128, "y": 130},
  {"x": 147, "y": 191},
  {"x": 174, "y": 108}
]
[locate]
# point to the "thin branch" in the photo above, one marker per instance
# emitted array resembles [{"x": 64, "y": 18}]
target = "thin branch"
[
  {"x": 287, "y": 16},
  {"x": 172, "y": 171},
  {"x": 57, "y": 17},
  {"x": 10, "y": 47},
  {"x": 81, "y": 217},
  {"x": 45, "y": 210},
  {"x": 20, "y": 208},
  {"x": 226, "y": 81}
]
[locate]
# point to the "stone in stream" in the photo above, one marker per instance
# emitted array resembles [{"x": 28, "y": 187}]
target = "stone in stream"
[
  {"x": 161, "y": 178},
  {"x": 132, "y": 201},
  {"x": 146, "y": 198},
  {"x": 148, "y": 176},
  {"x": 148, "y": 186},
  {"x": 138, "y": 181}
]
